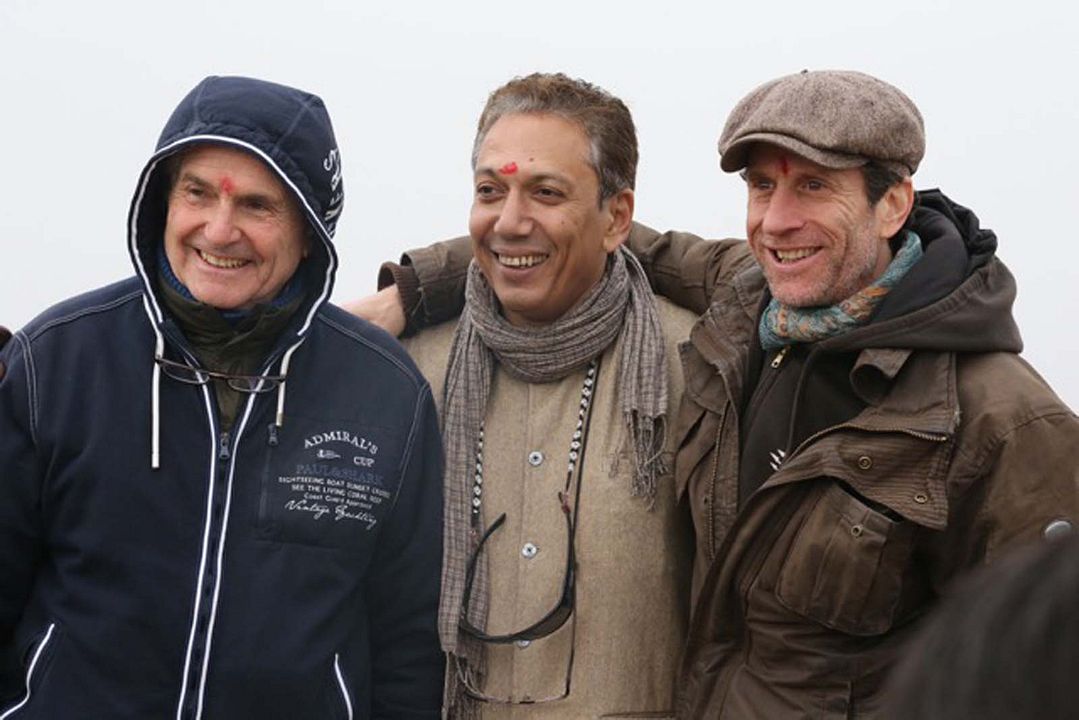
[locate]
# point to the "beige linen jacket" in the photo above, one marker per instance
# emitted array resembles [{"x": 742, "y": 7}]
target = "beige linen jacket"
[{"x": 633, "y": 564}]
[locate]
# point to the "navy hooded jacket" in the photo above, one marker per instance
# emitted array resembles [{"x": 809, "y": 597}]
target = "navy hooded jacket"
[{"x": 153, "y": 565}]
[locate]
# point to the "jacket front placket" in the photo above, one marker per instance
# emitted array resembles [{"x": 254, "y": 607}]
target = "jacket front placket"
[{"x": 224, "y": 446}]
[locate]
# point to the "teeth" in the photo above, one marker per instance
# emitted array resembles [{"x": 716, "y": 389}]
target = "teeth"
[
  {"x": 221, "y": 262},
  {"x": 792, "y": 255},
  {"x": 520, "y": 261}
]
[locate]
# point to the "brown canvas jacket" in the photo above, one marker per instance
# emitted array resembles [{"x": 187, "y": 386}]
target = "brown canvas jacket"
[{"x": 812, "y": 586}]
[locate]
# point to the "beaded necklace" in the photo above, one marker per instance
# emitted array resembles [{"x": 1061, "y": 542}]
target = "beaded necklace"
[{"x": 575, "y": 444}]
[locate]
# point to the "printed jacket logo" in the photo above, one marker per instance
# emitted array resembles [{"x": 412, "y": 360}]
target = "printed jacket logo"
[{"x": 326, "y": 485}]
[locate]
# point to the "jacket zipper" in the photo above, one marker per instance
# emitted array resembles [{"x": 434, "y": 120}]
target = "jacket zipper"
[
  {"x": 341, "y": 684},
  {"x": 30, "y": 672},
  {"x": 224, "y": 454},
  {"x": 778, "y": 359}
]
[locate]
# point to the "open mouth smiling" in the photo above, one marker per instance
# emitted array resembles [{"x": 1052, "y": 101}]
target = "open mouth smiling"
[
  {"x": 791, "y": 256},
  {"x": 519, "y": 261},
  {"x": 218, "y": 261}
]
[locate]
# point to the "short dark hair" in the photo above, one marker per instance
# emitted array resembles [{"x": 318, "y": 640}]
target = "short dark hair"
[
  {"x": 605, "y": 119},
  {"x": 1005, "y": 646},
  {"x": 878, "y": 179}
]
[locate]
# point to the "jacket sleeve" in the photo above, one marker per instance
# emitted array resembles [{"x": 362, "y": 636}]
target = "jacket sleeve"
[
  {"x": 1018, "y": 481},
  {"x": 407, "y": 663},
  {"x": 682, "y": 267},
  {"x": 1032, "y": 484},
  {"x": 431, "y": 281},
  {"x": 21, "y": 535}
]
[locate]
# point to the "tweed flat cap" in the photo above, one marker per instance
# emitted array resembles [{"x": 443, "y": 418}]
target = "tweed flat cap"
[{"x": 835, "y": 118}]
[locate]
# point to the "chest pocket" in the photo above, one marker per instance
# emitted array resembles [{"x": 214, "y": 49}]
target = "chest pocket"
[
  {"x": 328, "y": 483},
  {"x": 846, "y": 566}
]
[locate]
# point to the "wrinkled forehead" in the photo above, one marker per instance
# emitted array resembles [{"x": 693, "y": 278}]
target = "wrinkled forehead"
[{"x": 230, "y": 165}]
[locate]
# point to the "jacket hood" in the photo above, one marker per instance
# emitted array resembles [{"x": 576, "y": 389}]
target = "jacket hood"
[
  {"x": 957, "y": 298},
  {"x": 288, "y": 129}
]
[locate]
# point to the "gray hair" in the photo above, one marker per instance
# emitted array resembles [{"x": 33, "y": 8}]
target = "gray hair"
[{"x": 605, "y": 119}]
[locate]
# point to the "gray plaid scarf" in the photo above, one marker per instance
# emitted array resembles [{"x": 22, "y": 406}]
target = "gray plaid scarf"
[{"x": 620, "y": 303}]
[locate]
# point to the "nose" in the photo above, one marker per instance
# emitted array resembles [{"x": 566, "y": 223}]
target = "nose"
[
  {"x": 783, "y": 212},
  {"x": 514, "y": 220},
  {"x": 220, "y": 228}
]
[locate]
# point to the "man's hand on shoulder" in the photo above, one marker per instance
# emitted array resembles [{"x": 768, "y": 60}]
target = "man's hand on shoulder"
[{"x": 382, "y": 308}]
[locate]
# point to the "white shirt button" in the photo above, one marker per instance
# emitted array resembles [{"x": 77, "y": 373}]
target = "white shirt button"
[
  {"x": 535, "y": 458},
  {"x": 529, "y": 550}
]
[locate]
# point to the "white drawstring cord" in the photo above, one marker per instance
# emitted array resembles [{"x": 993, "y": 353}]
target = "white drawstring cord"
[
  {"x": 283, "y": 372},
  {"x": 155, "y": 403}
]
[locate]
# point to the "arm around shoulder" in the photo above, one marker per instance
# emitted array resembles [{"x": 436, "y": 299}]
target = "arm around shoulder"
[{"x": 685, "y": 268}]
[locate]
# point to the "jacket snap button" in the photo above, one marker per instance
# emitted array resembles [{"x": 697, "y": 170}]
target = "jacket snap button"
[
  {"x": 529, "y": 550},
  {"x": 856, "y": 530},
  {"x": 921, "y": 498},
  {"x": 1057, "y": 530},
  {"x": 535, "y": 458},
  {"x": 865, "y": 462}
]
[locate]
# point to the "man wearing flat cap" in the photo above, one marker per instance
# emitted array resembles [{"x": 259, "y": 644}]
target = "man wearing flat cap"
[
  {"x": 858, "y": 428},
  {"x": 220, "y": 496}
]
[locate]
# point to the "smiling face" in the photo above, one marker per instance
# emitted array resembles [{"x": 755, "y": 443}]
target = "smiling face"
[
  {"x": 812, "y": 229},
  {"x": 540, "y": 235},
  {"x": 233, "y": 235}
]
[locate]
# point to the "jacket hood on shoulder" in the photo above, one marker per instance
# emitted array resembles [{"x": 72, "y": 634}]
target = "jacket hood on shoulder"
[
  {"x": 957, "y": 298},
  {"x": 287, "y": 129}
]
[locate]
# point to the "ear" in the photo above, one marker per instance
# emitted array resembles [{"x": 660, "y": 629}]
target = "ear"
[
  {"x": 619, "y": 219},
  {"x": 892, "y": 209}
]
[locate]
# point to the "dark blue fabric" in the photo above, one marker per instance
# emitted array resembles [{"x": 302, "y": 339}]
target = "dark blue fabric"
[{"x": 301, "y": 558}]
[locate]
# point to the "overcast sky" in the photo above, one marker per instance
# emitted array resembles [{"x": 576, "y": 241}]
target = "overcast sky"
[{"x": 88, "y": 87}]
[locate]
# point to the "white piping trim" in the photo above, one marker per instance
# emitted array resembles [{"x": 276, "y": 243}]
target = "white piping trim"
[
  {"x": 202, "y": 559},
  {"x": 340, "y": 683},
  {"x": 152, "y": 308},
  {"x": 155, "y": 395},
  {"x": 239, "y": 431},
  {"x": 30, "y": 674}
]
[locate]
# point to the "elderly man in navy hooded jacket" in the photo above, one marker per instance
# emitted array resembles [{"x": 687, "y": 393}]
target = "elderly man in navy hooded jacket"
[{"x": 220, "y": 495}]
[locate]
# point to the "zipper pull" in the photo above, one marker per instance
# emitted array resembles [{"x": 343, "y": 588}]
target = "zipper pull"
[
  {"x": 223, "y": 454},
  {"x": 273, "y": 434},
  {"x": 778, "y": 359}
]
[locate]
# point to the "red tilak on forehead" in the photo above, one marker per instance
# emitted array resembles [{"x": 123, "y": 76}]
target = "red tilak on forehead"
[
  {"x": 784, "y": 165},
  {"x": 227, "y": 185},
  {"x": 508, "y": 169}
]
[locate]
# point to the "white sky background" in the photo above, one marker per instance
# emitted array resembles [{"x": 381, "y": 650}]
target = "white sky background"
[{"x": 88, "y": 86}]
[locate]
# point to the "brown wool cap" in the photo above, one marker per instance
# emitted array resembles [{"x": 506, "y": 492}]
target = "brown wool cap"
[{"x": 835, "y": 118}]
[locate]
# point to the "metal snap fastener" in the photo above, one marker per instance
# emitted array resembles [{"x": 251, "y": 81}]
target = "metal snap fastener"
[
  {"x": 529, "y": 550},
  {"x": 1057, "y": 530},
  {"x": 865, "y": 462},
  {"x": 535, "y": 458},
  {"x": 856, "y": 530},
  {"x": 523, "y": 643},
  {"x": 921, "y": 498}
]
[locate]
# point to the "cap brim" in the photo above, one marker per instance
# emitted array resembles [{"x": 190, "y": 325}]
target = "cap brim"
[{"x": 736, "y": 156}]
